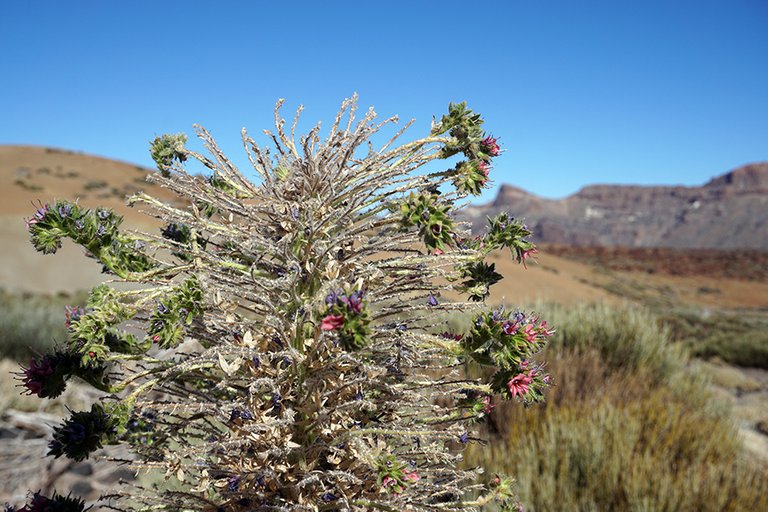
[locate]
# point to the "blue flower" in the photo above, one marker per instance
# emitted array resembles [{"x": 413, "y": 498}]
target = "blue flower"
[
  {"x": 233, "y": 483},
  {"x": 65, "y": 210}
]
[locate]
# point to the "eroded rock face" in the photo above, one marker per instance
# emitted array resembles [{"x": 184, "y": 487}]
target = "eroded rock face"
[{"x": 730, "y": 211}]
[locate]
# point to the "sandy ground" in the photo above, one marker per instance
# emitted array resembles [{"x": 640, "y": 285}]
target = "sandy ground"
[{"x": 24, "y": 269}]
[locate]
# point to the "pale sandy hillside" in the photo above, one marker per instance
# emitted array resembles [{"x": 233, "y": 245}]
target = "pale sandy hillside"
[{"x": 32, "y": 175}]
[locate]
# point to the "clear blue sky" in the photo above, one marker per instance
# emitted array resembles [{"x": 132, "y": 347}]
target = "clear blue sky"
[{"x": 579, "y": 92}]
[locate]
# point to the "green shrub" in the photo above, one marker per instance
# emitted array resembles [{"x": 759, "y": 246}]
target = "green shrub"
[
  {"x": 736, "y": 338},
  {"x": 627, "y": 337},
  {"x": 626, "y": 426}
]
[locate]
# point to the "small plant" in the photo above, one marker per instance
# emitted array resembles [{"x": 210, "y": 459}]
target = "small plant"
[
  {"x": 281, "y": 348},
  {"x": 95, "y": 185}
]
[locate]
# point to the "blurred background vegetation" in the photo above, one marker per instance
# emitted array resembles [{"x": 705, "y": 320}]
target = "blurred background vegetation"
[{"x": 630, "y": 424}]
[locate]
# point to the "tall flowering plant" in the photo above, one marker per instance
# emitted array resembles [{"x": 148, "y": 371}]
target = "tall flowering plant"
[{"x": 282, "y": 344}]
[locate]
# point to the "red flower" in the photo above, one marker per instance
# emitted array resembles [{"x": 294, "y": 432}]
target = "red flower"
[
  {"x": 332, "y": 322},
  {"x": 484, "y": 168},
  {"x": 37, "y": 374},
  {"x": 412, "y": 476},
  {"x": 524, "y": 255},
  {"x": 491, "y": 146},
  {"x": 529, "y": 333},
  {"x": 518, "y": 385}
]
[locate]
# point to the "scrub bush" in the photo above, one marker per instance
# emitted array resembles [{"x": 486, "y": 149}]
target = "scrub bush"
[{"x": 628, "y": 427}]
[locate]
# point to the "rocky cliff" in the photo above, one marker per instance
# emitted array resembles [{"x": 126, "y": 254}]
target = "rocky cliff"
[{"x": 728, "y": 212}]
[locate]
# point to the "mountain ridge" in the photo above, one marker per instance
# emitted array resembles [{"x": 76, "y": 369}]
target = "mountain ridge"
[{"x": 730, "y": 211}]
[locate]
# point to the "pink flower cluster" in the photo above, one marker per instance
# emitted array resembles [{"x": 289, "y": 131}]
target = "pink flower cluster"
[
  {"x": 332, "y": 322},
  {"x": 530, "y": 330},
  {"x": 484, "y": 168},
  {"x": 488, "y": 404},
  {"x": 519, "y": 385},
  {"x": 525, "y": 255},
  {"x": 409, "y": 477},
  {"x": 491, "y": 146}
]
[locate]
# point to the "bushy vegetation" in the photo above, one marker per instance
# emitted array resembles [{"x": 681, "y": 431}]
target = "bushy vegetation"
[
  {"x": 734, "y": 337},
  {"x": 627, "y": 426},
  {"x": 31, "y": 323}
]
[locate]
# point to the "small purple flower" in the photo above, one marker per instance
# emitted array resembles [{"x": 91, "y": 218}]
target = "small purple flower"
[
  {"x": 432, "y": 300},
  {"x": 240, "y": 414},
  {"x": 65, "y": 210},
  {"x": 355, "y": 301},
  {"x": 509, "y": 327},
  {"x": 101, "y": 231},
  {"x": 75, "y": 432},
  {"x": 233, "y": 483},
  {"x": 332, "y": 298},
  {"x": 38, "y": 216},
  {"x": 79, "y": 225},
  {"x": 328, "y": 497},
  {"x": 102, "y": 213},
  {"x": 72, "y": 314},
  {"x": 277, "y": 402},
  {"x": 464, "y": 438},
  {"x": 402, "y": 327},
  {"x": 162, "y": 308}
]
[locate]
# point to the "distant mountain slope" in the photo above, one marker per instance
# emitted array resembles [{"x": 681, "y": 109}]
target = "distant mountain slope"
[
  {"x": 31, "y": 175},
  {"x": 730, "y": 211}
]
